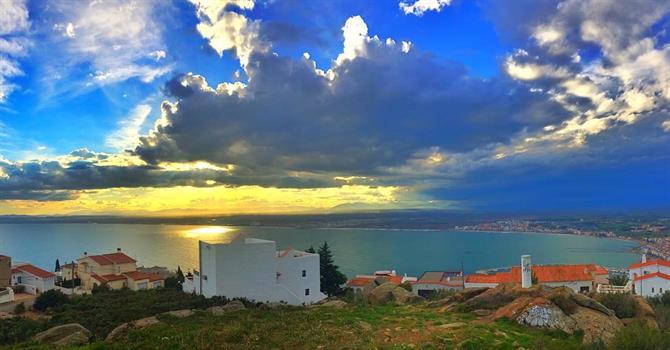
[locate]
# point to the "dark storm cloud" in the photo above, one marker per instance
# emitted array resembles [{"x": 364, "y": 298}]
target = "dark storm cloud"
[{"x": 378, "y": 111}]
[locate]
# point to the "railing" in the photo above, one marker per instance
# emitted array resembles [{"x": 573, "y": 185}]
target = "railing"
[{"x": 610, "y": 289}]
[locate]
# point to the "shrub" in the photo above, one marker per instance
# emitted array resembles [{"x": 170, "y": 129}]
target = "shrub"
[
  {"x": 19, "y": 289},
  {"x": 441, "y": 294},
  {"x": 103, "y": 288},
  {"x": 49, "y": 299},
  {"x": 407, "y": 286},
  {"x": 20, "y": 308},
  {"x": 173, "y": 283},
  {"x": 640, "y": 337},
  {"x": 19, "y": 329},
  {"x": 71, "y": 283},
  {"x": 619, "y": 280},
  {"x": 564, "y": 302},
  {"x": 623, "y": 305}
]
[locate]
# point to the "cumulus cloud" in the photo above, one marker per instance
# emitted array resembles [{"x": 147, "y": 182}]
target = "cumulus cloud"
[
  {"x": 14, "y": 23},
  {"x": 375, "y": 107},
  {"x": 419, "y": 7},
  {"x": 228, "y": 30}
]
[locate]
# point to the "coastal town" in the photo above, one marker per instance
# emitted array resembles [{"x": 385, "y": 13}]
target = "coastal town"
[{"x": 254, "y": 269}]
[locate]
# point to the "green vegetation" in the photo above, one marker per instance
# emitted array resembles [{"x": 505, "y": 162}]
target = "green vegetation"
[
  {"x": 331, "y": 277},
  {"x": 641, "y": 337},
  {"x": 623, "y": 304},
  {"x": 619, "y": 280},
  {"x": 50, "y": 299},
  {"x": 20, "y": 308}
]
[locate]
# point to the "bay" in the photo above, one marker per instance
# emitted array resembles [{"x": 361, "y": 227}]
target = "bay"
[{"x": 356, "y": 251}]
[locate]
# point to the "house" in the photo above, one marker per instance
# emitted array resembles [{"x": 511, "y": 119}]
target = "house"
[
  {"x": 650, "y": 278},
  {"x": 253, "y": 269},
  {"x": 361, "y": 282},
  {"x": 33, "y": 279},
  {"x": 432, "y": 282},
  {"x": 580, "y": 277},
  {"x": 69, "y": 271},
  {"x": 116, "y": 270},
  {"x": 5, "y": 271}
]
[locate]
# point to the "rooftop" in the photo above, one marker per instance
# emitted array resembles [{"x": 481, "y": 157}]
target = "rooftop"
[
  {"x": 652, "y": 275},
  {"x": 32, "y": 270},
  {"x": 543, "y": 273},
  {"x": 650, "y": 263},
  {"x": 112, "y": 258}
]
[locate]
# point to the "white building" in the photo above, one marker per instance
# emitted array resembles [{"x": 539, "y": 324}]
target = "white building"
[
  {"x": 253, "y": 269},
  {"x": 32, "y": 278},
  {"x": 650, "y": 278}
]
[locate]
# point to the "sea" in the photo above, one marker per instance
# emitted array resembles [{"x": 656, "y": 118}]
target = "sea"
[{"x": 355, "y": 251}]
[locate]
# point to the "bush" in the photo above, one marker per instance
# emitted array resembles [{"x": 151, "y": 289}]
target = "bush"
[
  {"x": 407, "y": 286},
  {"x": 564, "y": 302},
  {"x": 623, "y": 305},
  {"x": 640, "y": 337},
  {"x": 173, "y": 283},
  {"x": 49, "y": 299},
  {"x": 71, "y": 283},
  {"x": 103, "y": 288},
  {"x": 619, "y": 280},
  {"x": 20, "y": 308},
  {"x": 19, "y": 329},
  {"x": 18, "y": 289}
]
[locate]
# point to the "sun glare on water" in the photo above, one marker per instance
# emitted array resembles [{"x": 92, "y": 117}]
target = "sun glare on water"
[{"x": 210, "y": 232}]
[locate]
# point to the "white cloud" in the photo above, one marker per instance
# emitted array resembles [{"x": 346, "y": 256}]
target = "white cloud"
[
  {"x": 13, "y": 44},
  {"x": 666, "y": 125},
  {"x": 128, "y": 134},
  {"x": 419, "y": 7},
  {"x": 115, "y": 37},
  {"x": 227, "y": 30}
]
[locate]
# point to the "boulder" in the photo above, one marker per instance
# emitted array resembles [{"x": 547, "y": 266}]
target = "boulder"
[
  {"x": 180, "y": 313},
  {"x": 122, "y": 329},
  {"x": 390, "y": 292},
  {"x": 71, "y": 334},
  {"x": 596, "y": 326},
  {"x": 503, "y": 294},
  {"x": 546, "y": 315},
  {"x": 338, "y": 304},
  {"x": 589, "y": 303},
  {"x": 644, "y": 312},
  {"x": 232, "y": 306},
  {"x": 469, "y": 293}
]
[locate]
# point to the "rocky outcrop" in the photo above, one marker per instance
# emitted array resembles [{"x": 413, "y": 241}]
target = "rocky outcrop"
[
  {"x": 551, "y": 308},
  {"x": 180, "y": 313},
  {"x": 644, "y": 312},
  {"x": 338, "y": 304},
  {"x": 390, "y": 293},
  {"x": 122, "y": 329},
  {"x": 232, "y": 306},
  {"x": 71, "y": 334}
]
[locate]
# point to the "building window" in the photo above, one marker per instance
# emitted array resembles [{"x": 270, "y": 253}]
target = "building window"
[
  {"x": 304, "y": 273},
  {"x": 307, "y": 291},
  {"x": 652, "y": 289}
]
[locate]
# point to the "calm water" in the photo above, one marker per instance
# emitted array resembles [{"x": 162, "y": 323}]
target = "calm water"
[{"x": 356, "y": 251}]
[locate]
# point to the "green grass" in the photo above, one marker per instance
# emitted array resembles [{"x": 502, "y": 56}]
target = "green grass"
[{"x": 355, "y": 327}]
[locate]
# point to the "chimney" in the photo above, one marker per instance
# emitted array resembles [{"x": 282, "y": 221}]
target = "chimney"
[
  {"x": 644, "y": 257},
  {"x": 85, "y": 253},
  {"x": 526, "y": 272},
  {"x": 118, "y": 250}
]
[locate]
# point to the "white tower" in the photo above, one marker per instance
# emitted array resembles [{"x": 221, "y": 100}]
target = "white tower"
[{"x": 526, "y": 272}]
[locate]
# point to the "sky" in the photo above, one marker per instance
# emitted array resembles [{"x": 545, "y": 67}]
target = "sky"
[{"x": 207, "y": 107}]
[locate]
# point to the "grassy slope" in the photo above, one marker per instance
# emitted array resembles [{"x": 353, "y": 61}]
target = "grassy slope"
[{"x": 385, "y": 327}]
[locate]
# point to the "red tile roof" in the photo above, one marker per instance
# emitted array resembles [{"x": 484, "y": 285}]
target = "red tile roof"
[
  {"x": 651, "y": 275},
  {"x": 360, "y": 281},
  {"x": 543, "y": 273},
  {"x": 113, "y": 277},
  {"x": 138, "y": 276},
  {"x": 33, "y": 270},
  {"x": 650, "y": 263},
  {"x": 113, "y": 258}
]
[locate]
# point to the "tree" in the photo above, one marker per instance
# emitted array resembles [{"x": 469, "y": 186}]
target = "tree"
[
  {"x": 619, "y": 280},
  {"x": 331, "y": 278},
  {"x": 57, "y": 265},
  {"x": 180, "y": 276},
  {"x": 311, "y": 250}
]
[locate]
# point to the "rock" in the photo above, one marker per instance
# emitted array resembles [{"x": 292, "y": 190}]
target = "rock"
[
  {"x": 546, "y": 315},
  {"x": 440, "y": 303},
  {"x": 180, "y": 313},
  {"x": 482, "y": 312},
  {"x": 587, "y": 302},
  {"x": 122, "y": 329},
  {"x": 338, "y": 304},
  {"x": 503, "y": 294},
  {"x": 234, "y": 305},
  {"x": 642, "y": 308},
  {"x": 595, "y": 325},
  {"x": 74, "y": 339},
  {"x": 469, "y": 293},
  {"x": 378, "y": 281},
  {"x": 71, "y": 334},
  {"x": 382, "y": 294},
  {"x": 402, "y": 296}
]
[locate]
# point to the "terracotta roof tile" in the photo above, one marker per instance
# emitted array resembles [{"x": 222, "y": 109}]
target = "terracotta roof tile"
[
  {"x": 651, "y": 275},
  {"x": 112, "y": 258},
  {"x": 33, "y": 270},
  {"x": 650, "y": 263}
]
